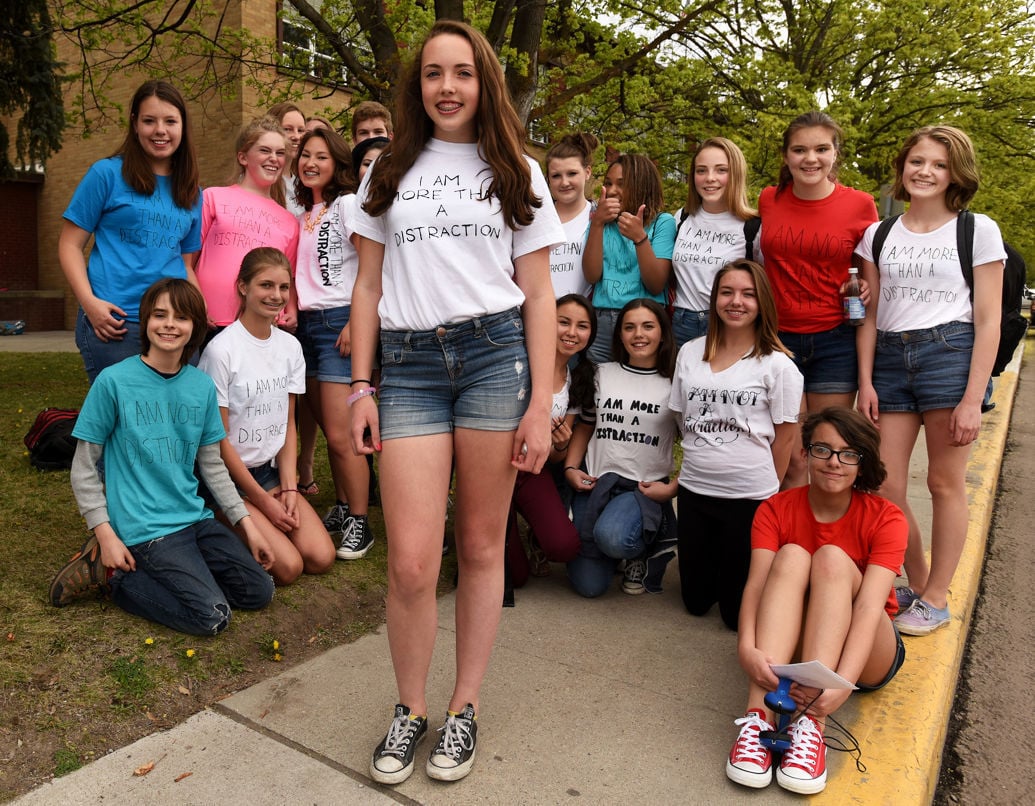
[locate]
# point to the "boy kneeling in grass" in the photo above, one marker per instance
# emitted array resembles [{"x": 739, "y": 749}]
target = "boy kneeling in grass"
[{"x": 155, "y": 543}]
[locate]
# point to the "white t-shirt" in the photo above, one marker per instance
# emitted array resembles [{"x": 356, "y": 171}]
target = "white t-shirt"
[
  {"x": 449, "y": 255},
  {"x": 560, "y": 407},
  {"x": 729, "y": 421},
  {"x": 566, "y": 258},
  {"x": 327, "y": 263},
  {"x": 253, "y": 379},
  {"x": 705, "y": 242},
  {"x": 633, "y": 430},
  {"x": 921, "y": 280}
]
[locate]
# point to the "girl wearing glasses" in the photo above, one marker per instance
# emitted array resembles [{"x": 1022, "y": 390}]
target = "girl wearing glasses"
[
  {"x": 737, "y": 394},
  {"x": 823, "y": 560}
]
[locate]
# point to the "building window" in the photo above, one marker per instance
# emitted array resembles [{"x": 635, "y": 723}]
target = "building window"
[{"x": 303, "y": 51}]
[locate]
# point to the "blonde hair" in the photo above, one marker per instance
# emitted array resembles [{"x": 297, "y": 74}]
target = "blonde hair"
[{"x": 735, "y": 195}]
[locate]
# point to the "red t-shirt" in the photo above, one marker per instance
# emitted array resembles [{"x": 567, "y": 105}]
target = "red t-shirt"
[
  {"x": 872, "y": 532},
  {"x": 807, "y": 247}
]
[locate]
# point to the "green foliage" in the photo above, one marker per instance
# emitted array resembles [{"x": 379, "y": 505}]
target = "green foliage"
[{"x": 66, "y": 760}]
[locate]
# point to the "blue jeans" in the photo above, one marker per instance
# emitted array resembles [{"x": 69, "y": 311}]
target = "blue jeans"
[
  {"x": 97, "y": 354},
  {"x": 827, "y": 359},
  {"x": 318, "y": 332},
  {"x": 688, "y": 325},
  {"x": 922, "y": 370},
  {"x": 600, "y": 350},
  {"x": 617, "y": 535},
  {"x": 189, "y": 580}
]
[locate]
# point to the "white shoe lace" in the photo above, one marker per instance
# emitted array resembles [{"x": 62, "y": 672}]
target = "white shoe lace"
[
  {"x": 400, "y": 734},
  {"x": 806, "y": 742},
  {"x": 748, "y": 747},
  {"x": 635, "y": 571},
  {"x": 352, "y": 536},
  {"x": 456, "y": 737}
]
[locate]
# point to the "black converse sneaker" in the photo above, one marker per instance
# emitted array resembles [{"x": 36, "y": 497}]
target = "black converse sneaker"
[
  {"x": 356, "y": 538},
  {"x": 659, "y": 555},
  {"x": 392, "y": 762},
  {"x": 453, "y": 756},
  {"x": 335, "y": 520}
]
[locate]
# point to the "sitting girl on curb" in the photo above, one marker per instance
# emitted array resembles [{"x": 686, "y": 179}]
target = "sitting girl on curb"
[{"x": 823, "y": 560}]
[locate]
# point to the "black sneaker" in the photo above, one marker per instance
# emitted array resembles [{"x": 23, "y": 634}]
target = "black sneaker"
[
  {"x": 356, "y": 538},
  {"x": 334, "y": 522},
  {"x": 392, "y": 762},
  {"x": 453, "y": 756},
  {"x": 661, "y": 553}
]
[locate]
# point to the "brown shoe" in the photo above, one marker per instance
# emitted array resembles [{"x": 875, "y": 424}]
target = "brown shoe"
[{"x": 83, "y": 573}]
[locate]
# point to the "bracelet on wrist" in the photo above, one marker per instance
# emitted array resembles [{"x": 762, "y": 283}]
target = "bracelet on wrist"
[
  {"x": 361, "y": 380},
  {"x": 360, "y": 394},
  {"x": 637, "y": 243}
]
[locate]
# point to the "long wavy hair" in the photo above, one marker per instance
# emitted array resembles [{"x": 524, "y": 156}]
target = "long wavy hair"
[
  {"x": 963, "y": 169},
  {"x": 735, "y": 194},
  {"x": 641, "y": 184},
  {"x": 766, "y": 338},
  {"x": 136, "y": 167},
  {"x": 809, "y": 120},
  {"x": 342, "y": 180},
  {"x": 580, "y": 393},
  {"x": 501, "y": 137}
]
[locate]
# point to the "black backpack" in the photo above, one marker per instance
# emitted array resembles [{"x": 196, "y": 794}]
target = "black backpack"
[
  {"x": 50, "y": 441},
  {"x": 1012, "y": 326}
]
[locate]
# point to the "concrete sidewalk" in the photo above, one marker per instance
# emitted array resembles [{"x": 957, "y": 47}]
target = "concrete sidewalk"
[{"x": 612, "y": 700}]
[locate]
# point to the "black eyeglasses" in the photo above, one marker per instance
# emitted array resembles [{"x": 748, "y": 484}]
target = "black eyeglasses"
[{"x": 845, "y": 457}]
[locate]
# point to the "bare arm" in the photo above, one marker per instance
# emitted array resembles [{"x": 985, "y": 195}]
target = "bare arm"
[
  {"x": 365, "y": 323},
  {"x": 106, "y": 318},
  {"x": 783, "y": 443},
  {"x": 866, "y": 345}
]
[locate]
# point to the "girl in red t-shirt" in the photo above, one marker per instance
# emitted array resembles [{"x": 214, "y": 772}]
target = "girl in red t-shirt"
[{"x": 823, "y": 560}]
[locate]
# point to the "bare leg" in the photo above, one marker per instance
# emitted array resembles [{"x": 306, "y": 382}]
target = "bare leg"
[
  {"x": 350, "y": 472},
  {"x": 898, "y": 433}
]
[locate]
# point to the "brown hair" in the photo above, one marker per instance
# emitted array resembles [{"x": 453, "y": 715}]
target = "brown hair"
[
  {"x": 136, "y": 167},
  {"x": 279, "y": 111},
  {"x": 666, "y": 364},
  {"x": 257, "y": 260},
  {"x": 371, "y": 110},
  {"x": 860, "y": 434},
  {"x": 766, "y": 339},
  {"x": 810, "y": 120},
  {"x": 580, "y": 145},
  {"x": 735, "y": 195},
  {"x": 501, "y": 137},
  {"x": 641, "y": 184},
  {"x": 963, "y": 170},
  {"x": 184, "y": 299},
  {"x": 580, "y": 393},
  {"x": 249, "y": 136},
  {"x": 342, "y": 180}
]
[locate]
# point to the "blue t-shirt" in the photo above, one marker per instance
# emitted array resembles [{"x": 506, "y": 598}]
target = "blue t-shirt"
[
  {"x": 138, "y": 239},
  {"x": 151, "y": 428},
  {"x": 620, "y": 280}
]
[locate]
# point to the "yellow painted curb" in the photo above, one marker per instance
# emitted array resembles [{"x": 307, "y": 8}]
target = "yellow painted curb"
[{"x": 902, "y": 728}]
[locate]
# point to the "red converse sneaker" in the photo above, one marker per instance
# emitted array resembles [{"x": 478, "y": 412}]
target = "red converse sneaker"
[
  {"x": 804, "y": 767},
  {"x": 750, "y": 763}
]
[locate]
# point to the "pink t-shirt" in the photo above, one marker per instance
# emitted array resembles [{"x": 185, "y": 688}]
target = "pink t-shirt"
[{"x": 233, "y": 222}]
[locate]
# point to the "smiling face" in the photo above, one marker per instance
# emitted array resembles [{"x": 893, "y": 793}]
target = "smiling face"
[
  {"x": 830, "y": 475},
  {"x": 168, "y": 331},
  {"x": 450, "y": 88},
  {"x": 368, "y": 160},
  {"x": 266, "y": 294},
  {"x": 264, "y": 162},
  {"x": 810, "y": 158},
  {"x": 926, "y": 173},
  {"x": 736, "y": 302},
  {"x": 371, "y": 127},
  {"x": 567, "y": 177},
  {"x": 159, "y": 129},
  {"x": 316, "y": 166},
  {"x": 293, "y": 125},
  {"x": 613, "y": 182},
  {"x": 573, "y": 329},
  {"x": 711, "y": 175},
  {"x": 641, "y": 337}
]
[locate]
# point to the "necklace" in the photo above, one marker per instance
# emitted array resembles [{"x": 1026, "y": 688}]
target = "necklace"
[{"x": 311, "y": 225}]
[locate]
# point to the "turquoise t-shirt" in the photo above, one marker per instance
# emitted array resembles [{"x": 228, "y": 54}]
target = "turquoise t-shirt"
[
  {"x": 620, "y": 279},
  {"x": 151, "y": 428},
  {"x": 138, "y": 239}
]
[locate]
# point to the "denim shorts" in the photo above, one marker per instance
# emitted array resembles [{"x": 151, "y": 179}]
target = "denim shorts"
[
  {"x": 922, "y": 370},
  {"x": 600, "y": 350},
  {"x": 688, "y": 325},
  {"x": 468, "y": 375},
  {"x": 267, "y": 475},
  {"x": 827, "y": 359},
  {"x": 896, "y": 664},
  {"x": 318, "y": 331},
  {"x": 97, "y": 354}
]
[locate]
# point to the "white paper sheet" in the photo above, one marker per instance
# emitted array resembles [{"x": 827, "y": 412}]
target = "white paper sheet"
[{"x": 812, "y": 673}]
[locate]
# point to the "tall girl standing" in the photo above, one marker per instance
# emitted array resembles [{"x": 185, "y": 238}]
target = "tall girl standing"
[
  {"x": 258, "y": 371},
  {"x": 810, "y": 226},
  {"x": 569, "y": 166},
  {"x": 457, "y": 227},
  {"x": 143, "y": 208},
  {"x": 717, "y": 226},
  {"x": 738, "y": 394},
  {"x": 324, "y": 277},
  {"x": 243, "y": 216},
  {"x": 629, "y": 247},
  {"x": 926, "y": 353}
]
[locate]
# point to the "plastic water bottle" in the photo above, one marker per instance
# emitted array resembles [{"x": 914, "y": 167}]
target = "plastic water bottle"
[{"x": 855, "y": 311}]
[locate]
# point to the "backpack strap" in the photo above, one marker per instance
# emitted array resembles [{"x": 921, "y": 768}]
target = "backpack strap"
[
  {"x": 881, "y": 235},
  {"x": 965, "y": 247},
  {"x": 751, "y": 228},
  {"x": 683, "y": 213}
]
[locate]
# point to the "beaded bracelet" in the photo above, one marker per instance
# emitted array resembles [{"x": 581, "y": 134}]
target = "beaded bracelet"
[{"x": 370, "y": 390}]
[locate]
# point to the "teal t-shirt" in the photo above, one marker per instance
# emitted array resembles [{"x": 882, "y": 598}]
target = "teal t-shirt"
[
  {"x": 151, "y": 428},
  {"x": 620, "y": 280}
]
